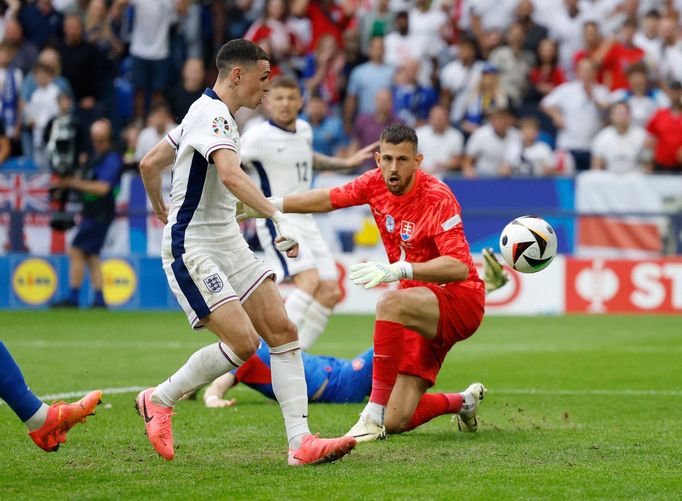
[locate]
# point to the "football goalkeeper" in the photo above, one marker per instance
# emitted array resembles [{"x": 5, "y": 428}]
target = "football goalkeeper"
[{"x": 441, "y": 297}]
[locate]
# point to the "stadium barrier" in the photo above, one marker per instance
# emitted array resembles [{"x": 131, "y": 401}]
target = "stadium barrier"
[{"x": 568, "y": 285}]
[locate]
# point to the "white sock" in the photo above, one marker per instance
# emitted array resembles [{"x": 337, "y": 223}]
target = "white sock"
[
  {"x": 316, "y": 318},
  {"x": 469, "y": 402},
  {"x": 296, "y": 305},
  {"x": 202, "y": 367},
  {"x": 289, "y": 386},
  {"x": 374, "y": 412},
  {"x": 37, "y": 420}
]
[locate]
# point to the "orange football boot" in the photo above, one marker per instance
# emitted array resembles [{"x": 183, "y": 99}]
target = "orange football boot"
[
  {"x": 61, "y": 417},
  {"x": 157, "y": 422},
  {"x": 316, "y": 450}
]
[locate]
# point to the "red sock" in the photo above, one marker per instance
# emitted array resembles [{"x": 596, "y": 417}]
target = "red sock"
[
  {"x": 432, "y": 405},
  {"x": 388, "y": 350}
]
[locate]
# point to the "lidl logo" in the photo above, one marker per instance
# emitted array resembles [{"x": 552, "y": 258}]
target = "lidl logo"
[
  {"x": 34, "y": 281},
  {"x": 119, "y": 281}
]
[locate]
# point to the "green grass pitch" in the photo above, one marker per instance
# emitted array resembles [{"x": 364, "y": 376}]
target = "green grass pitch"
[{"x": 579, "y": 407}]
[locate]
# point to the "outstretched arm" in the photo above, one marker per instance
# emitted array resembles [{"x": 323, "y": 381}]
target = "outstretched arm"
[
  {"x": 325, "y": 162},
  {"x": 151, "y": 166},
  {"x": 214, "y": 396},
  {"x": 440, "y": 270}
]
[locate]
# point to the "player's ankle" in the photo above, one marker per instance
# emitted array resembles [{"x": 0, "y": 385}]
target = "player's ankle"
[{"x": 374, "y": 413}]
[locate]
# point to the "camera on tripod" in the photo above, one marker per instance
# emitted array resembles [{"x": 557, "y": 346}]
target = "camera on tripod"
[{"x": 62, "y": 151}]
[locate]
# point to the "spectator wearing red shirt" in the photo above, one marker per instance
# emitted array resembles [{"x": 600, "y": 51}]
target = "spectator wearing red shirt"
[
  {"x": 273, "y": 26},
  {"x": 546, "y": 74},
  {"x": 326, "y": 18},
  {"x": 611, "y": 57},
  {"x": 665, "y": 127}
]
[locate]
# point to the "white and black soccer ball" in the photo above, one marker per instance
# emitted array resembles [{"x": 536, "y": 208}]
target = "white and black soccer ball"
[{"x": 528, "y": 244}]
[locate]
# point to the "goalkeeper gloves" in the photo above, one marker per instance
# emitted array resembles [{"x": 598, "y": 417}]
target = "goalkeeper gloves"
[{"x": 372, "y": 273}]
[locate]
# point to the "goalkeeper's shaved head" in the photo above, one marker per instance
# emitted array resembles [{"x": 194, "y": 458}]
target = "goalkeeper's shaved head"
[{"x": 398, "y": 133}]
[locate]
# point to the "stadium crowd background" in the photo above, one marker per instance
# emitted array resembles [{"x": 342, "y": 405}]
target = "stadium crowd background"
[{"x": 496, "y": 87}]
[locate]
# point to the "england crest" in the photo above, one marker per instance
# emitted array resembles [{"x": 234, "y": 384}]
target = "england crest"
[
  {"x": 406, "y": 230},
  {"x": 214, "y": 283}
]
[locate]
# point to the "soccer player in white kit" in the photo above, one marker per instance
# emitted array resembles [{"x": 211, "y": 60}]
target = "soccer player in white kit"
[
  {"x": 280, "y": 153},
  {"x": 218, "y": 281}
]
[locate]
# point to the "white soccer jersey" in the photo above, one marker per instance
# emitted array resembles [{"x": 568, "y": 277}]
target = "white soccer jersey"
[
  {"x": 202, "y": 209},
  {"x": 282, "y": 160}
]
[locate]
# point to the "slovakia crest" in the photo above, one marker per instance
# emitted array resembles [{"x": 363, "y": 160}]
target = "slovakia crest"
[
  {"x": 390, "y": 224},
  {"x": 214, "y": 283},
  {"x": 406, "y": 230}
]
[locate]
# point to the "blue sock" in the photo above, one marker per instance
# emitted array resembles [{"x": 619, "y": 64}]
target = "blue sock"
[
  {"x": 13, "y": 388},
  {"x": 99, "y": 299},
  {"x": 73, "y": 296}
]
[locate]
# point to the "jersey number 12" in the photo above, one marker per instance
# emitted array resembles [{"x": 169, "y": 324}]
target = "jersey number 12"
[{"x": 302, "y": 169}]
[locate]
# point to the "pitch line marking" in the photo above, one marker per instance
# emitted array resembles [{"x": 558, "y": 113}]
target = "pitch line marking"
[{"x": 493, "y": 391}]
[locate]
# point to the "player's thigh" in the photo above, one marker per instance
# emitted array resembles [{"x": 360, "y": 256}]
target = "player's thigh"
[
  {"x": 265, "y": 308},
  {"x": 232, "y": 325},
  {"x": 416, "y": 308},
  {"x": 407, "y": 392}
]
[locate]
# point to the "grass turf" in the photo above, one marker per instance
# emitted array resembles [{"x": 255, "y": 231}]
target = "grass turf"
[{"x": 579, "y": 407}]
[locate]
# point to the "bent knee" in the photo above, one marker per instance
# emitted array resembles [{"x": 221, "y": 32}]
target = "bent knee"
[
  {"x": 282, "y": 333},
  {"x": 244, "y": 344},
  {"x": 391, "y": 306},
  {"x": 328, "y": 293}
]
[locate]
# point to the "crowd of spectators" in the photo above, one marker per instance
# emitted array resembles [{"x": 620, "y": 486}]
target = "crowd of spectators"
[{"x": 494, "y": 87}]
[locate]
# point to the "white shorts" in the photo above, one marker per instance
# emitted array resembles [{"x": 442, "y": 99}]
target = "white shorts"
[
  {"x": 313, "y": 252},
  {"x": 202, "y": 280}
]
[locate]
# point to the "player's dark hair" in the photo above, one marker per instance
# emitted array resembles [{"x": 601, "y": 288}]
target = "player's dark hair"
[
  {"x": 399, "y": 133},
  {"x": 284, "y": 81},
  {"x": 238, "y": 52}
]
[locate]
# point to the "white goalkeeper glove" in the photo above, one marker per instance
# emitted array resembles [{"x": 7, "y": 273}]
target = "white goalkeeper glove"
[
  {"x": 288, "y": 239},
  {"x": 245, "y": 212},
  {"x": 372, "y": 273}
]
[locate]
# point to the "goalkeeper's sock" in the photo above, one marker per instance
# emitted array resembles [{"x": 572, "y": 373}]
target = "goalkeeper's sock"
[
  {"x": 291, "y": 390},
  {"x": 73, "y": 294},
  {"x": 201, "y": 368},
  {"x": 99, "y": 299},
  {"x": 432, "y": 405},
  {"x": 13, "y": 388},
  {"x": 314, "y": 323},
  {"x": 296, "y": 305},
  {"x": 388, "y": 351}
]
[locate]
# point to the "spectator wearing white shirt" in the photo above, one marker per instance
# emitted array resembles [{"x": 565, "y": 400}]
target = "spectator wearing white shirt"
[
  {"x": 621, "y": 147},
  {"x": 426, "y": 20},
  {"x": 642, "y": 98},
  {"x": 460, "y": 77},
  {"x": 150, "y": 47},
  {"x": 491, "y": 149},
  {"x": 566, "y": 28},
  {"x": 440, "y": 143},
  {"x": 648, "y": 40},
  {"x": 535, "y": 158},
  {"x": 159, "y": 123},
  {"x": 576, "y": 110},
  {"x": 43, "y": 106},
  {"x": 671, "y": 50},
  {"x": 514, "y": 63},
  {"x": 399, "y": 45}
]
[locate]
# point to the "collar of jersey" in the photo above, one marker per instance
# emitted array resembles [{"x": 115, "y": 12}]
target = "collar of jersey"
[
  {"x": 271, "y": 122},
  {"x": 212, "y": 94},
  {"x": 413, "y": 190}
]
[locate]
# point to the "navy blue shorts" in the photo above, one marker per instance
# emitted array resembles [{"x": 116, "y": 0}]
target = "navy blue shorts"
[
  {"x": 91, "y": 236},
  {"x": 149, "y": 75}
]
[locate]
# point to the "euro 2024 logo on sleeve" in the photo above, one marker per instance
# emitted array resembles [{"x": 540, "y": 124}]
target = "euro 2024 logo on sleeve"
[
  {"x": 120, "y": 281},
  {"x": 220, "y": 126},
  {"x": 34, "y": 281}
]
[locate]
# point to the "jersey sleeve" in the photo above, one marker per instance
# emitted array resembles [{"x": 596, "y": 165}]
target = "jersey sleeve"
[
  {"x": 216, "y": 130},
  {"x": 448, "y": 234},
  {"x": 173, "y": 137},
  {"x": 355, "y": 192}
]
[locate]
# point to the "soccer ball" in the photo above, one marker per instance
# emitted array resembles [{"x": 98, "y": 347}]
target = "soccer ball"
[{"x": 528, "y": 244}]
